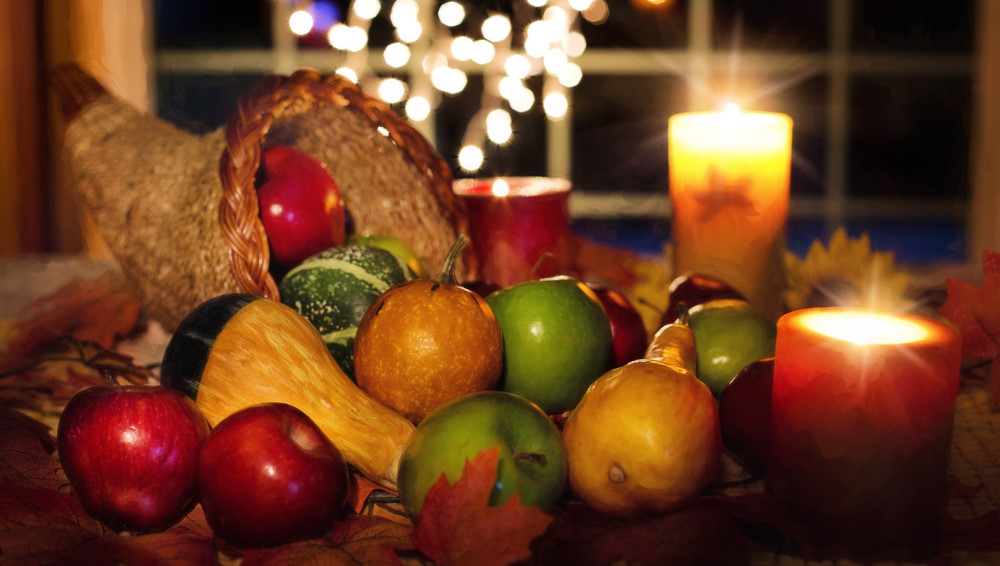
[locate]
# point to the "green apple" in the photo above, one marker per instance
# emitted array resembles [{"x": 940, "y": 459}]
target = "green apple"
[
  {"x": 532, "y": 458},
  {"x": 729, "y": 334},
  {"x": 397, "y": 246},
  {"x": 557, "y": 340}
]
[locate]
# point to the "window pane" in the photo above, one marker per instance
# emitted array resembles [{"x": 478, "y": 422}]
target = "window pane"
[
  {"x": 789, "y": 24},
  {"x": 639, "y": 24},
  {"x": 620, "y": 132},
  {"x": 199, "y": 102},
  {"x": 524, "y": 155},
  {"x": 914, "y": 25},
  {"x": 909, "y": 137},
  {"x": 221, "y": 24},
  {"x": 806, "y": 104}
]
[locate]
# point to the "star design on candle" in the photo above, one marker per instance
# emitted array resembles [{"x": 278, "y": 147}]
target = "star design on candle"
[{"x": 723, "y": 195}]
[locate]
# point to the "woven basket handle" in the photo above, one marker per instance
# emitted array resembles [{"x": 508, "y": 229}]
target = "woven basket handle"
[{"x": 257, "y": 109}]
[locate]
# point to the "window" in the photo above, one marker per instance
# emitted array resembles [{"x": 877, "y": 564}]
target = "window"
[{"x": 880, "y": 91}]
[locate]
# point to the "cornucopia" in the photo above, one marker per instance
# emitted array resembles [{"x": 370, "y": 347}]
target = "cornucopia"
[{"x": 179, "y": 211}]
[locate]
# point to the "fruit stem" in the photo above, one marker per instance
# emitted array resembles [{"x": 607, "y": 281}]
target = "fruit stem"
[
  {"x": 683, "y": 314},
  {"x": 447, "y": 273}
]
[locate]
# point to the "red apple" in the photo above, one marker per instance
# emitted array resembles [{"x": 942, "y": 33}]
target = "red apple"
[
  {"x": 745, "y": 414},
  {"x": 267, "y": 475},
  {"x": 300, "y": 206},
  {"x": 693, "y": 289},
  {"x": 628, "y": 333},
  {"x": 131, "y": 454}
]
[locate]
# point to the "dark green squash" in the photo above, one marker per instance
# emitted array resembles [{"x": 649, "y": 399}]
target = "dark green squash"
[{"x": 334, "y": 288}]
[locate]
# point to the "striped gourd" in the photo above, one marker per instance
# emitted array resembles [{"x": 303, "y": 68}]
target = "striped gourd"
[{"x": 334, "y": 288}]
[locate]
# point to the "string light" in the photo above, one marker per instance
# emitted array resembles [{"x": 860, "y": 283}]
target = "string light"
[
  {"x": 300, "y": 22},
  {"x": 548, "y": 43}
]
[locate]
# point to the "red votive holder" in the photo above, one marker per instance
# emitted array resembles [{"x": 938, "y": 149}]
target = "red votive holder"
[
  {"x": 519, "y": 227},
  {"x": 861, "y": 423}
]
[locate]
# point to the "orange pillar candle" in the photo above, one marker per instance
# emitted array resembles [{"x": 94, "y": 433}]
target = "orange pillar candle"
[
  {"x": 516, "y": 223},
  {"x": 729, "y": 174},
  {"x": 861, "y": 420}
]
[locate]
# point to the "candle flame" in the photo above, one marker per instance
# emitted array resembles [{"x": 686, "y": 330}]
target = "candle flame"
[
  {"x": 500, "y": 188},
  {"x": 732, "y": 109},
  {"x": 861, "y": 327}
]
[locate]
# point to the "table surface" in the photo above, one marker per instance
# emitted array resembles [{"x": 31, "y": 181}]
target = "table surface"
[{"x": 973, "y": 507}]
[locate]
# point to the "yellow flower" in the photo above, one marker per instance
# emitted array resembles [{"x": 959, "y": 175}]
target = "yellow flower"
[
  {"x": 649, "y": 292},
  {"x": 846, "y": 273}
]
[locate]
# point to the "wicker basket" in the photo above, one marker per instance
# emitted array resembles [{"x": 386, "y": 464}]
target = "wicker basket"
[{"x": 183, "y": 221}]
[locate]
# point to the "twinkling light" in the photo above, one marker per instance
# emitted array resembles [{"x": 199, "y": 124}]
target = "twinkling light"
[
  {"x": 555, "y": 105},
  {"x": 510, "y": 87},
  {"x": 396, "y": 54},
  {"x": 448, "y": 79},
  {"x": 418, "y": 108},
  {"x": 300, "y": 22},
  {"x": 571, "y": 75},
  {"x": 574, "y": 44},
  {"x": 339, "y": 36},
  {"x": 403, "y": 11},
  {"x": 498, "y": 126},
  {"x": 555, "y": 61},
  {"x": 470, "y": 158},
  {"x": 517, "y": 66},
  {"x": 483, "y": 52},
  {"x": 597, "y": 13},
  {"x": 523, "y": 100},
  {"x": 462, "y": 48},
  {"x": 450, "y": 41},
  {"x": 357, "y": 39},
  {"x": 348, "y": 73},
  {"x": 391, "y": 90},
  {"x": 496, "y": 28},
  {"x": 451, "y": 14},
  {"x": 409, "y": 31},
  {"x": 366, "y": 9}
]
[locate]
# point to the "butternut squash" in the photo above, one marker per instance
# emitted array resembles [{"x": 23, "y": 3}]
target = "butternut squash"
[{"x": 238, "y": 350}]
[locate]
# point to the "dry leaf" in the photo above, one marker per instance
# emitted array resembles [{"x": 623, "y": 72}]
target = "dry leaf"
[{"x": 98, "y": 310}]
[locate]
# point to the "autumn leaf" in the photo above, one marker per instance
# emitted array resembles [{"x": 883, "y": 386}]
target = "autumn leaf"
[
  {"x": 458, "y": 526},
  {"x": 98, "y": 310},
  {"x": 976, "y": 313},
  {"x": 976, "y": 310},
  {"x": 45, "y": 380},
  {"x": 40, "y": 516}
]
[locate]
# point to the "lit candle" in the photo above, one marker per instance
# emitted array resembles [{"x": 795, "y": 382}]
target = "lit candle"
[
  {"x": 861, "y": 419},
  {"x": 516, "y": 223},
  {"x": 729, "y": 174}
]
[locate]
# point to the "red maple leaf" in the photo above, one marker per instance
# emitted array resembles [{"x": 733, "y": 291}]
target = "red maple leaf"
[
  {"x": 976, "y": 313},
  {"x": 976, "y": 310},
  {"x": 458, "y": 526}
]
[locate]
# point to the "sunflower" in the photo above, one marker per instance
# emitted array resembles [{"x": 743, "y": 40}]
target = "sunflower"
[
  {"x": 649, "y": 293},
  {"x": 846, "y": 273}
]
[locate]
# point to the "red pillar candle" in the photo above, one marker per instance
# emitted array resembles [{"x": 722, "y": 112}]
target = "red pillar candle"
[
  {"x": 514, "y": 221},
  {"x": 861, "y": 420}
]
